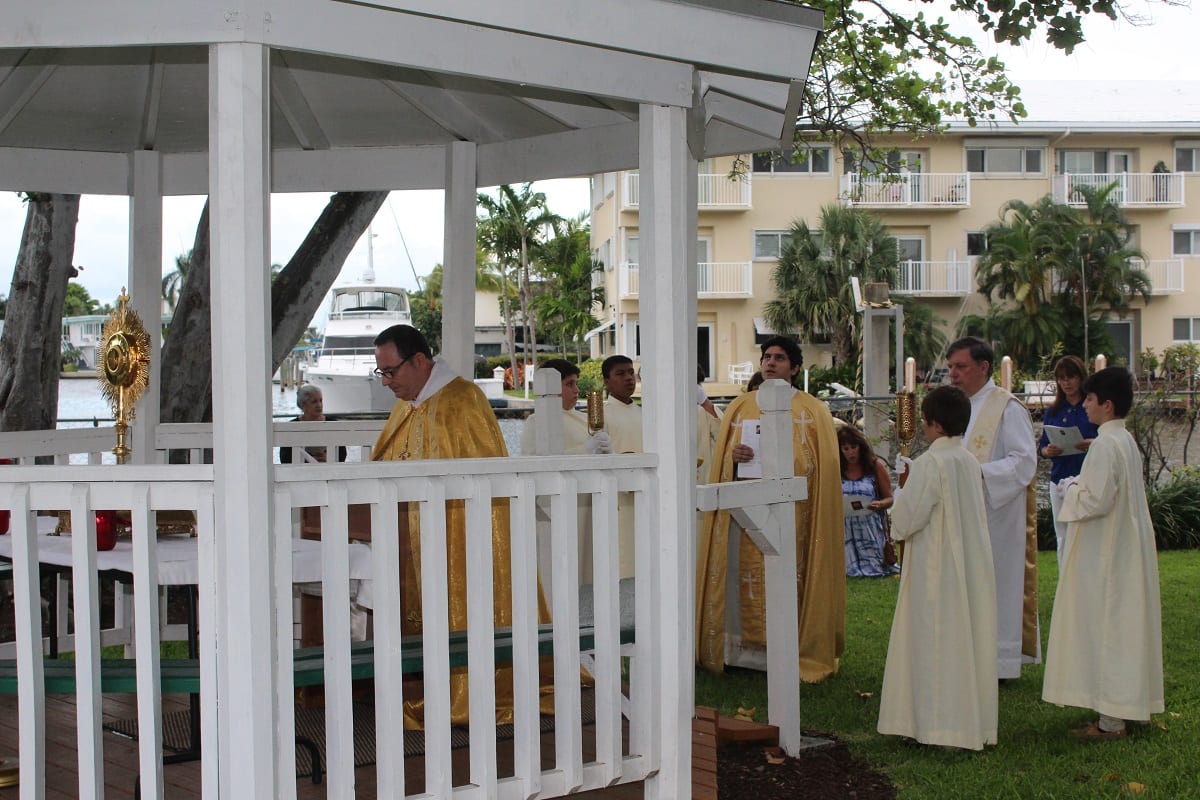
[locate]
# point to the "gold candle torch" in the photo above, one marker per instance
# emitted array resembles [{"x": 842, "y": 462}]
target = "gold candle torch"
[
  {"x": 906, "y": 422},
  {"x": 595, "y": 411}
]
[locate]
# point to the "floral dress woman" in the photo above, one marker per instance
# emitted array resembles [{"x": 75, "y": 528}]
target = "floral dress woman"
[{"x": 866, "y": 538}]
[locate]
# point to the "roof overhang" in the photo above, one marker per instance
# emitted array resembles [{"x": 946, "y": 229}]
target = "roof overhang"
[{"x": 369, "y": 95}]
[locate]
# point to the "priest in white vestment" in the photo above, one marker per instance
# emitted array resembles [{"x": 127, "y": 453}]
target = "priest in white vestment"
[
  {"x": 939, "y": 685},
  {"x": 1105, "y": 646},
  {"x": 1000, "y": 437},
  {"x": 623, "y": 424}
]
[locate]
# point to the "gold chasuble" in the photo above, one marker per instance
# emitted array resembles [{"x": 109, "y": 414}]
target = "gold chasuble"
[
  {"x": 984, "y": 431},
  {"x": 456, "y": 421},
  {"x": 730, "y": 613}
]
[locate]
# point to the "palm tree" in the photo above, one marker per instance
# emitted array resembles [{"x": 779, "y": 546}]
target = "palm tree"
[
  {"x": 571, "y": 293},
  {"x": 812, "y": 276},
  {"x": 172, "y": 282},
  {"x": 516, "y": 221},
  {"x": 1060, "y": 269},
  {"x": 923, "y": 339}
]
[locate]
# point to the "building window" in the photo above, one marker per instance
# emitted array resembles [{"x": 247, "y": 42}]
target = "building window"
[
  {"x": 1005, "y": 160},
  {"x": 976, "y": 243},
  {"x": 769, "y": 244},
  {"x": 814, "y": 159},
  {"x": 1186, "y": 329},
  {"x": 1187, "y": 157},
  {"x": 1185, "y": 243}
]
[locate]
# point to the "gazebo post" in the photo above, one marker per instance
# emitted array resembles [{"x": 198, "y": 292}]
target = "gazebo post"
[
  {"x": 667, "y": 220},
  {"x": 239, "y": 186},
  {"x": 458, "y": 260},
  {"x": 145, "y": 287}
]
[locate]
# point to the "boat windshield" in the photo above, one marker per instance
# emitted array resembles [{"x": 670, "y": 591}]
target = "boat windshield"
[
  {"x": 370, "y": 300},
  {"x": 349, "y": 345}
]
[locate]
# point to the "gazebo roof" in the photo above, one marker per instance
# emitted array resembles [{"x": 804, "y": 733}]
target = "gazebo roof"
[{"x": 366, "y": 96}]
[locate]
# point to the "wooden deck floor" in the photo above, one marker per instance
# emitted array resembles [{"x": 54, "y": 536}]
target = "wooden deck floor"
[{"x": 183, "y": 780}]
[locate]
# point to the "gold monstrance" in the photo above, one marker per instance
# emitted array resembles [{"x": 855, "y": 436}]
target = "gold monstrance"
[
  {"x": 595, "y": 411},
  {"x": 124, "y": 358}
]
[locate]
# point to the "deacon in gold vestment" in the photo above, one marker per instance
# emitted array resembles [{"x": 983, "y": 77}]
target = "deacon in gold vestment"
[
  {"x": 731, "y": 615},
  {"x": 440, "y": 415}
]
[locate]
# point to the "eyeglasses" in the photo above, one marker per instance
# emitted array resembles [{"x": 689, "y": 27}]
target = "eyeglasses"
[{"x": 389, "y": 372}]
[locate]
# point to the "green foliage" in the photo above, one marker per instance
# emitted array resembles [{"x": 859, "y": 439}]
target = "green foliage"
[
  {"x": 886, "y": 68},
  {"x": 426, "y": 310},
  {"x": 821, "y": 378},
  {"x": 172, "y": 282},
  {"x": 812, "y": 277},
  {"x": 3, "y": 305},
  {"x": 590, "y": 377},
  {"x": 1175, "y": 510},
  {"x": 568, "y": 296},
  {"x": 924, "y": 339},
  {"x": 78, "y": 303},
  {"x": 1163, "y": 418},
  {"x": 1048, "y": 262},
  {"x": 1035, "y": 757}
]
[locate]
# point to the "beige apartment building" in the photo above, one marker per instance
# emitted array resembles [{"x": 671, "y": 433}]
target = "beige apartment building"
[{"x": 1143, "y": 135}]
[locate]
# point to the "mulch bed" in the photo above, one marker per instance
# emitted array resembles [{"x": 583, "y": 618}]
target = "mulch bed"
[{"x": 828, "y": 773}]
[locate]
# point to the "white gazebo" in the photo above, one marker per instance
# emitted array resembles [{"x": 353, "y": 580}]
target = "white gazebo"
[{"x": 236, "y": 100}]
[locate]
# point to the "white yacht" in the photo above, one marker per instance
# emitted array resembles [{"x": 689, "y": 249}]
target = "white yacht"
[{"x": 345, "y": 363}]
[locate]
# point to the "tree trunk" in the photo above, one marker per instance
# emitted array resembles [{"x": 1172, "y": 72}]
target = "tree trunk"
[
  {"x": 296, "y": 294},
  {"x": 31, "y": 346},
  {"x": 508, "y": 324}
]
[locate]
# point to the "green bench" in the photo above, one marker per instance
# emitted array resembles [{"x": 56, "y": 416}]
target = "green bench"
[{"x": 182, "y": 676}]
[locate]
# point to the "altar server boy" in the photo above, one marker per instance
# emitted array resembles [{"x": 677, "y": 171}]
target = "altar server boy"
[
  {"x": 1105, "y": 647},
  {"x": 939, "y": 685}
]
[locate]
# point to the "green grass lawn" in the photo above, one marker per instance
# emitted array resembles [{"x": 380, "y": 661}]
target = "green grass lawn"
[{"x": 1036, "y": 757}]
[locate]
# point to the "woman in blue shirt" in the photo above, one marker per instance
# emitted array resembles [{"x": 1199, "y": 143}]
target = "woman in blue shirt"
[{"x": 1066, "y": 412}]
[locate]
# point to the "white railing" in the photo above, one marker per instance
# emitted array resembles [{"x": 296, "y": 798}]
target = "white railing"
[
  {"x": 548, "y": 486},
  {"x": 923, "y": 189},
  {"x": 713, "y": 279},
  {"x": 934, "y": 278},
  {"x": 1166, "y": 274},
  {"x": 715, "y": 190},
  {"x": 1133, "y": 190}
]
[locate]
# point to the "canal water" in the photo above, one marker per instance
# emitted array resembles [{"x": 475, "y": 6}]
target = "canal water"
[{"x": 80, "y": 405}]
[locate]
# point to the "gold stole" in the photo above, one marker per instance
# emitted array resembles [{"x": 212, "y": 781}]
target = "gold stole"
[{"x": 983, "y": 437}]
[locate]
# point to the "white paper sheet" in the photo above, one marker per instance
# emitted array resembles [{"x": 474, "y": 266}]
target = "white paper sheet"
[
  {"x": 750, "y": 438},
  {"x": 1066, "y": 438}
]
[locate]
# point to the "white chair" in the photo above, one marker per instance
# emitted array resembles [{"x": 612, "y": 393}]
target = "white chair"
[{"x": 741, "y": 373}]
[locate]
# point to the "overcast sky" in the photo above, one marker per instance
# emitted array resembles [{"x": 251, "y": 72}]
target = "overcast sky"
[{"x": 1161, "y": 50}]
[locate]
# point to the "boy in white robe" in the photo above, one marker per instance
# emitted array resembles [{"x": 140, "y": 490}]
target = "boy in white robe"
[
  {"x": 940, "y": 685},
  {"x": 1105, "y": 646}
]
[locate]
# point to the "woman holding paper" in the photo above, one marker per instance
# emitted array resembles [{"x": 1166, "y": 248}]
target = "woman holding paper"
[
  {"x": 1064, "y": 414},
  {"x": 867, "y": 491}
]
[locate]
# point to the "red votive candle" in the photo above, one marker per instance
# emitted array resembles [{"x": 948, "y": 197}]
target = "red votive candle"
[
  {"x": 4, "y": 513},
  {"x": 106, "y": 530}
]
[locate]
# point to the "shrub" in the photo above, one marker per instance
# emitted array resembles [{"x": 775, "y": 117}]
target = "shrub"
[
  {"x": 1047, "y": 538},
  {"x": 820, "y": 378},
  {"x": 590, "y": 378},
  {"x": 1175, "y": 510}
]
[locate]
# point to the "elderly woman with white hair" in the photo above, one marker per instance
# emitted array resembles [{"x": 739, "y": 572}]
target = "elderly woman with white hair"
[{"x": 311, "y": 403}]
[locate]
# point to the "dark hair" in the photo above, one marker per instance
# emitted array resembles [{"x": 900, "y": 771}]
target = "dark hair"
[
  {"x": 612, "y": 361},
  {"x": 789, "y": 346},
  {"x": 848, "y": 434},
  {"x": 408, "y": 340},
  {"x": 949, "y": 407},
  {"x": 562, "y": 366},
  {"x": 755, "y": 381},
  {"x": 1066, "y": 367},
  {"x": 1112, "y": 384},
  {"x": 700, "y": 373},
  {"x": 979, "y": 351}
]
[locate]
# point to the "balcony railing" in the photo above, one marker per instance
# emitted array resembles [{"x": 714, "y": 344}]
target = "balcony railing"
[
  {"x": 1134, "y": 189},
  {"x": 908, "y": 190},
  {"x": 1166, "y": 274},
  {"x": 934, "y": 279},
  {"x": 715, "y": 191},
  {"x": 713, "y": 279}
]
